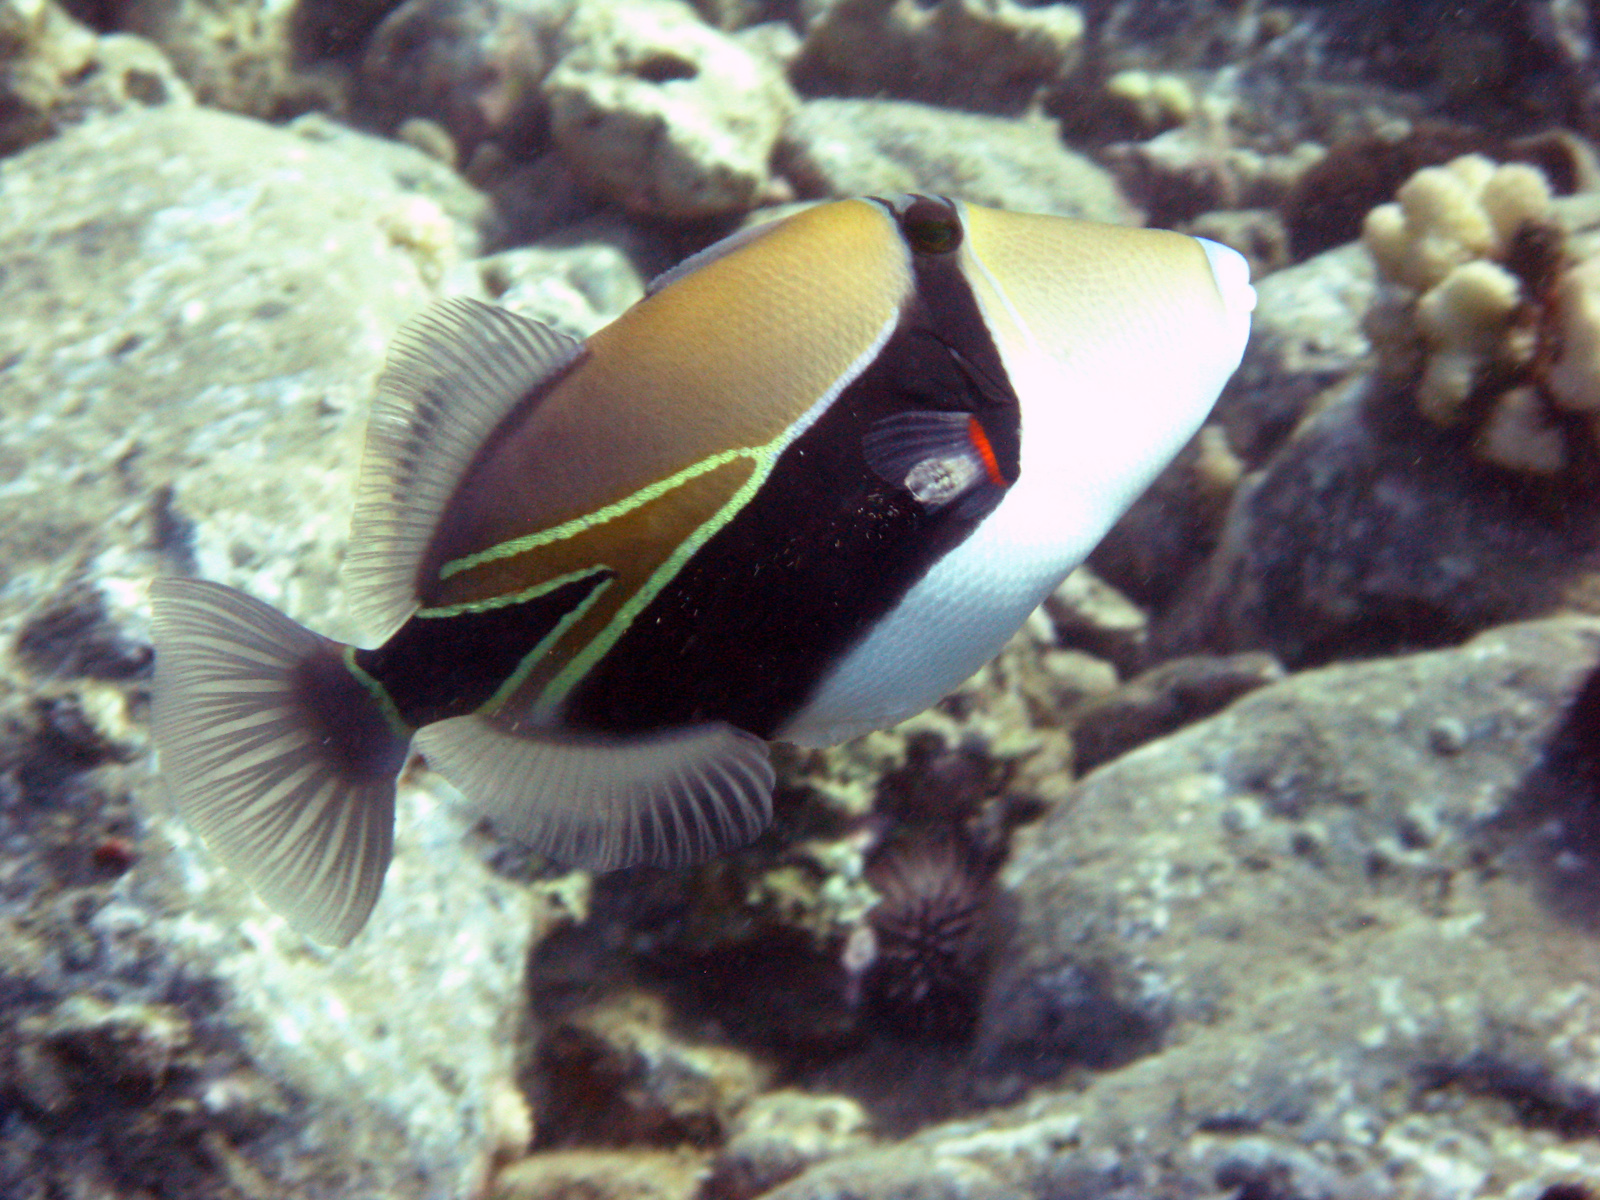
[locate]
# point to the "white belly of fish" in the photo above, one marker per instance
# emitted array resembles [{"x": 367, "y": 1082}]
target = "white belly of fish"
[{"x": 955, "y": 619}]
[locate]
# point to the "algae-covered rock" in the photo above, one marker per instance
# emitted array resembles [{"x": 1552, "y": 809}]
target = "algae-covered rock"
[
  {"x": 976, "y": 55},
  {"x": 194, "y": 308},
  {"x": 55, "y": 72},
  {"x": 1344, "y": 888},
  {"x": 1333, "y": 942},
  {"x": 663, "y": 114},
  {"x": 872, "y": 147}
]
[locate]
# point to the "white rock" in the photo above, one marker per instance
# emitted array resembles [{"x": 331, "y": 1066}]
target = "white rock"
[{"x": 663, "y": 114}]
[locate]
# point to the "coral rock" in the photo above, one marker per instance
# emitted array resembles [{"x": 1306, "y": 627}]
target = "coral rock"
[
  {"x": 241, "y": 57},
  {"x": 474, "y": 67},
  {"x": 616, "y": 1073},
  {"x": 1445, "y": 216},
  {"x": 600, "y": 1175},
  {"x": 1163, "y": 699},
  {"x": 1489, "y": 315},
  {"x": 1575, "y": 379},
  {"x": 54, "y": 71},
  {"x": 781, "y": 1134},
  {"x": 1462, "y": 317},
  {"x": 988, "y": 55},
  {"x": 874, "y": 147},
  {"x": 663, "y": 114},
  {"x": 1520, "y": 434}
]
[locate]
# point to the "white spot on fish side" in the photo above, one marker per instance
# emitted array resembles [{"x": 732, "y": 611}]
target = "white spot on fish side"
[{"x": 937, "y": 481}]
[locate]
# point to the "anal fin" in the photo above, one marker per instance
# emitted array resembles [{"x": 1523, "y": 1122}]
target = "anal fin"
[{"x": 667, "y": 798}]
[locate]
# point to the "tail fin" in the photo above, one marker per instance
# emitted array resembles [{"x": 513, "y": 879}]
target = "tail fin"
[{"x": 277, "y": 755}]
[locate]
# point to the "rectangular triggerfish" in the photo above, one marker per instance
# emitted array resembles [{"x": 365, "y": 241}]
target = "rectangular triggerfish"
[{"x": 800, "y": 491}]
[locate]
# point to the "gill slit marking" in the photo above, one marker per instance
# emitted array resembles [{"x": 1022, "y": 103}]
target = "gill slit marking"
[
  {"x": 510, "y": 598},
  {"x": 379, "y": 693},
  {"x": 765, "y": 459},
  {"x": 529, "y": 660}
]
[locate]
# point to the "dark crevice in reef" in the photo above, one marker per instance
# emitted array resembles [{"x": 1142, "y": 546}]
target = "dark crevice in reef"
[
  {"x": 739, "y": 954},
  {"x": 1537, "y": 1094}
]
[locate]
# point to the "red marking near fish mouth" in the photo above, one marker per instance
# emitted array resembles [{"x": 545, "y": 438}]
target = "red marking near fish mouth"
[{"x": 980, "y": 442}]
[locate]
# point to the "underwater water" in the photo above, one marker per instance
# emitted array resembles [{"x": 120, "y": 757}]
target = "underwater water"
[{"x": 1261, "y": 863}]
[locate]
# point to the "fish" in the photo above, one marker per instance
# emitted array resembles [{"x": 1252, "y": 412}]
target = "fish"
[{"x": 813, "y": 480}]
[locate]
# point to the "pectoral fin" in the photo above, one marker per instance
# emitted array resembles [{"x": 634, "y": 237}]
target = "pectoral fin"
[{"x": 941, "y": 458}]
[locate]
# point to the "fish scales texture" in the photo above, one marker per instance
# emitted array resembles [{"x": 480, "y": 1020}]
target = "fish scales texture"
[{"x": 800, "y": 491}]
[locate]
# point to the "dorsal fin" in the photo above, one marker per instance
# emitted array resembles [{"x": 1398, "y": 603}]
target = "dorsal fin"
[{"x": 453, "y": 375}]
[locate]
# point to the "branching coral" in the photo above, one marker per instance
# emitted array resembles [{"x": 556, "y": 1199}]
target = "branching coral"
[{"x": 1489, "y": 315}]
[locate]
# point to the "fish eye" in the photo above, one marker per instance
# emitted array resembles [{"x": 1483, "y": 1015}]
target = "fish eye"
[
  {"x": 933, "y": 237},
  {"x": 930, "y": 227}
]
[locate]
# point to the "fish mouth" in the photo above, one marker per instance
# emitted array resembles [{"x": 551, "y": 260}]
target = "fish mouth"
[{"x": 1232, "y": 274}]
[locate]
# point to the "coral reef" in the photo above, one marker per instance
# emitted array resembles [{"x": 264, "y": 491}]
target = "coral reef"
[
  {"x": 1149, "y": 907},
  {"x": 1487, "y": 315}
]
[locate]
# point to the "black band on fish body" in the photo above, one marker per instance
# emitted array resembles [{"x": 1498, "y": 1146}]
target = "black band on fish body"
[
  {"x": 446, "y": 664},
  {"x": 825, "y": 549}
]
